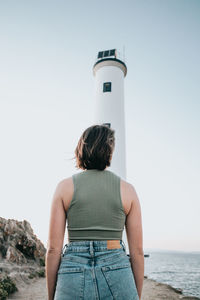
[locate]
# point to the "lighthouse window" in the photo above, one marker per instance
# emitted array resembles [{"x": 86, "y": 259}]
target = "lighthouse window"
[
  {"x": 100, "y": 54},
  {"x": 112, "y": 52},
  {"x": 107, "y": 124},
  {"x": 107, "y": 87}
]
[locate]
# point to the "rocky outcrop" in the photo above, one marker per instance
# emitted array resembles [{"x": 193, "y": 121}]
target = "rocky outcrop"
[
  {"x": 22, "y": 254},
  {"x": 18, "y": 243}
]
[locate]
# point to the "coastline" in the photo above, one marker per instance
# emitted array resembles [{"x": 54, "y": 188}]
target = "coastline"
[{"x": 152, "y": 290}]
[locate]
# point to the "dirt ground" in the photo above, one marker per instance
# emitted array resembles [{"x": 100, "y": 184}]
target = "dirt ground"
[{"x": 152, "y": 290}]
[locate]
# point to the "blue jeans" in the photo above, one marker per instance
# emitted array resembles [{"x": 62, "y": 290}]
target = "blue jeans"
[{"x": 90, "y": 271}]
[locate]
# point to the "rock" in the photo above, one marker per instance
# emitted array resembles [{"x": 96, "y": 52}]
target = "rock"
[
  {"x": 18, "y": 243},
  {"x": 22, "y": 254},
  {"x": 15, "y": 255}
]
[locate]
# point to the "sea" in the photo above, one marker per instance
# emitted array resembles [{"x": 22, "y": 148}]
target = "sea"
[{"x": 179, "y": 269}]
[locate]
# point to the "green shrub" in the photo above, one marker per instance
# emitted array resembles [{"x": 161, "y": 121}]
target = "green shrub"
[
  {"x": 32, "y": 275},
  {"x": 7, "y": 286},
  {"x": 41, "y": 273},
  {"x": 42, "y": 262},
  {"x": 3, "y": 293}
]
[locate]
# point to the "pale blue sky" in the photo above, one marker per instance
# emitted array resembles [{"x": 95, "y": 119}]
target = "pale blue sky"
[{"x": 47, "y": 52}]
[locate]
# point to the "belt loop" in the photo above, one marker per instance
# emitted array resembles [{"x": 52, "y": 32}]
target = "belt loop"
[
  {"x": 63, "y": 251},
  {"x": 123, "y": 245},
  {"x": 91, "y": 247}
]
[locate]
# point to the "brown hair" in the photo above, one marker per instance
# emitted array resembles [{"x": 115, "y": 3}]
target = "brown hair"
[{"x": 95, "y": 148}]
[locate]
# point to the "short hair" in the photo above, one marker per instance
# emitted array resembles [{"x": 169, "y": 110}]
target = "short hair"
[{"x": 95, "y": 148}]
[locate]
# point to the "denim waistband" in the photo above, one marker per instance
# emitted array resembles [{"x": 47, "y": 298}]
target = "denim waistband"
[{"x": 94, "y": 245}]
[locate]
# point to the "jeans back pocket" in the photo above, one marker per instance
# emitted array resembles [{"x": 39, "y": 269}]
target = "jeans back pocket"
[
  {"x": 120, "y": 280},
  {"x": 70, "y": 283}
]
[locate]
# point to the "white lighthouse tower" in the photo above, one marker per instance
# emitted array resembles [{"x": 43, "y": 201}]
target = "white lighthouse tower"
[{"x": 109, "y": 72}]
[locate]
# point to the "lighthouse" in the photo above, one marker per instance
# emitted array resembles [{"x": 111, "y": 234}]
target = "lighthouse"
[{"x": 109, "y": 72}]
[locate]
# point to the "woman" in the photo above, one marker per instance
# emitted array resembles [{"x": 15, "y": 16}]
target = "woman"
[{"x": 97, "y": 204}]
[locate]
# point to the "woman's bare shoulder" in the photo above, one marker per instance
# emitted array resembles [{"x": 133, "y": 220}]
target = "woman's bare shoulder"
[
  {"x": 127, "y": 194},
  {"x": 128, "y": 188},
  {"x": 67, "y": 190},
  {"x": 65, "y": 181}
]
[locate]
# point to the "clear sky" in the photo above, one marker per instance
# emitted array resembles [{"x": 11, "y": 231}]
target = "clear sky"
[{"x": 47, "y": 52}]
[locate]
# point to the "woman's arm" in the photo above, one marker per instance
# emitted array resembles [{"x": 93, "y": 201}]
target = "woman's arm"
[
  {"x": 135, "y": 239},
  {"x": 55, "y": 240}
]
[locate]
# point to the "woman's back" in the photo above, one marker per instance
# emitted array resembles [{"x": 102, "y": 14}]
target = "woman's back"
[
  {"x": 96, "y": 210},
  {"x": 96, "y": 204}
]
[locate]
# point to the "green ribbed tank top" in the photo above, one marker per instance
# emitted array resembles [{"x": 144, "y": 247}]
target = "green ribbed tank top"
[{"x": 96, "y": 211}]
